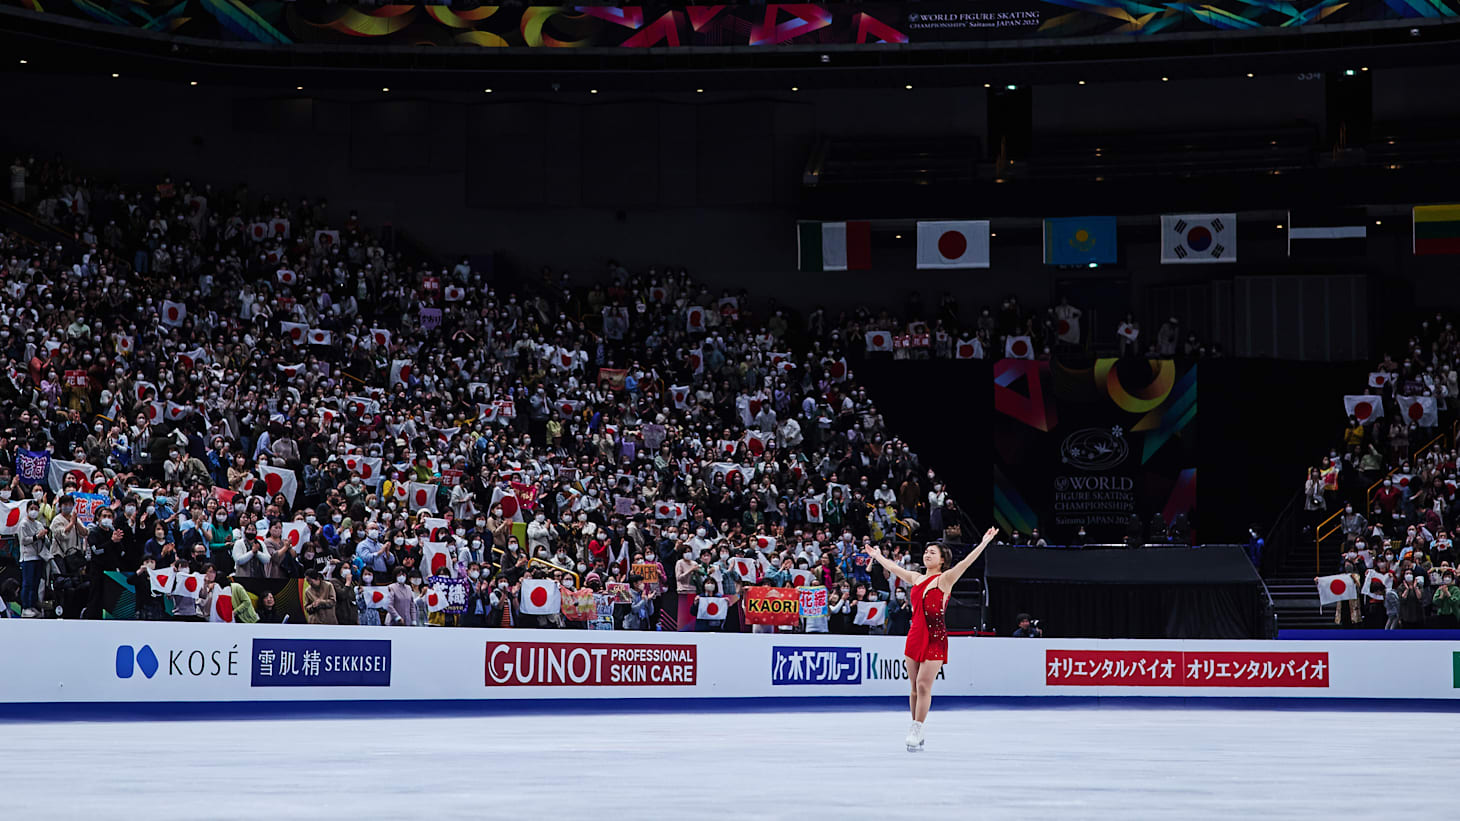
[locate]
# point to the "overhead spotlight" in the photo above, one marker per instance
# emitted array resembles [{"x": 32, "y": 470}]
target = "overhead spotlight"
[
  {"x": 794, "y": 88},
  {"x": 592, "y": 91},
  {"x": 1082, "y": 82},
  {"x": 386, "y": 89},
  {"x": 1249, "y": 75},
  {"x": 985, "y": 85},
  {"x": 1414, "y": 32},
  {"x": 1348, "y": 72},
  {"x": 1165, "y": 79},
  {"x": 486, "y": 91},
  {"x": 1378, "y": 222},
  {"x": 908, "y": 87},
  {"x": 298, "y": 88},
  {"x": 1011, "y": 86},
  {"x": 1094, "y": 265},
  {"x": 1365, "y": 68},
  {"x": 193, "y": 83},
  {"x": 22, "y": 62},
  {"x": 897, "y": 236},
  {"x": 826, "y": 58},
  {"x": 993, "y": 233},
  {"x": 1280, "y": 225},
  {"x": 697, "y": 91},
  {"x": 115, "y": 75}
]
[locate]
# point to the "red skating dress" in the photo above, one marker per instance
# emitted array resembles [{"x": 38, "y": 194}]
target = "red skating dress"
[{"x": 927, "y": 636}]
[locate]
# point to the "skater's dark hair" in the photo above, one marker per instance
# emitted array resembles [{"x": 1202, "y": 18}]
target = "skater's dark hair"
[{"x": 945, "y": 553}]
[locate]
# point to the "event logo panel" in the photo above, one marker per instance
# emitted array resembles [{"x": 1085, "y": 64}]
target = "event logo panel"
[
  {"x": 1168, "y": 668},
  {"x": 573, "y": 664},
  {"x": 321, "y": 663}
]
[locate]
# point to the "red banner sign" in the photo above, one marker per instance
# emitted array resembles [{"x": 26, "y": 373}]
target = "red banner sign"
[
  {"x": 77, "y": 379},
  {"x": 578, "y": 664},
  {"x": 1165, "y": 668},
  {"x": 772, "y": 605}
]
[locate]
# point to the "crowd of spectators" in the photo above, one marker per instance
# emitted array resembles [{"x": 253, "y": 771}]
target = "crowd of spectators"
[
  {"x": 201, "y": 372},
  {"x": 1388, "y": 489}
]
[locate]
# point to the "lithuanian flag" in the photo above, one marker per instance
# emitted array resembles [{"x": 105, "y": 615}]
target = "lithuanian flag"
[{"x": 1437, "y": 229}]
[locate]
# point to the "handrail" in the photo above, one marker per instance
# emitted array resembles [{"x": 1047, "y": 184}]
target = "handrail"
[{"x": 1319, "y": 536}]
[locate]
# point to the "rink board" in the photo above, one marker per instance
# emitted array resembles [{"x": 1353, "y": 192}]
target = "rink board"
[{"x": 91, "y": 664}]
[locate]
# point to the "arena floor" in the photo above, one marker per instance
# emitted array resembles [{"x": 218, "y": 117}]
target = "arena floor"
[{"x": 979, "y": 763}]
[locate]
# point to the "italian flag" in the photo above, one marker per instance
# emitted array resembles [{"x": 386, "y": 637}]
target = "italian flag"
[
  {"x": 1437, "y": 229},
  {"x": 834, "y": 246}
]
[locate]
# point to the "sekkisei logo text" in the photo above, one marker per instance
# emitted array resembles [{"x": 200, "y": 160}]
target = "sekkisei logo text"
[
  {"x": 321, "y": 663},
  {"x": 516, "y": 663},
  {"x": 835, "y": 665},
  {"x": 181, "y": 662}
]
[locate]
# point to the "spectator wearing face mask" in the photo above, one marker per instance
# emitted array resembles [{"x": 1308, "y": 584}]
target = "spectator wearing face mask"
[
  {"x": 1446, "y": 601},
  {"x": 319, "y": 599},
  {"x": 35, "y": 551},
  {"x": 1412, "y": 601}
]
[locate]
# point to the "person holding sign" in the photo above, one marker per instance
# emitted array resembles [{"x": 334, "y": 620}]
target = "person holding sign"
[{"x": 927, "y": 637}]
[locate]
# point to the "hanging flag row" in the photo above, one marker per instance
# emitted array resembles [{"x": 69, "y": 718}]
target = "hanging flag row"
[{"x": 1186, "y": 239}]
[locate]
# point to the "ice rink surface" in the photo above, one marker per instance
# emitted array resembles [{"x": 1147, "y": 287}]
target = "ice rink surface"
[{"x": 1016, "y": 763}]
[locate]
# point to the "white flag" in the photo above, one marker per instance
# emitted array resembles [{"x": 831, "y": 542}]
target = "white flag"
[{"x": 1193, "y": 238}]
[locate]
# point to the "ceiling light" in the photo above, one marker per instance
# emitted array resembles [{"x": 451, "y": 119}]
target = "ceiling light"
[
  {"x": 1365, "y": 68},
  {"x": 699, "y": 91},
  {"x": 115, "y": 75},
  {"x": 897, "y": 236},
  {"x": 385, "y": 89},
  {"x": 1165, "y": 79},
  {"x": 793, "y": 88},
  {"x": 1082, "y": 82},
  {"x": 993, "y": 233},
  {"x": 909, "y": 88},
  {"x": 985, "y": 85},
  {"x": 1280, "y": 225},
  {"x": 592, "y": 91},
  {"x": 1378, "y": 222},
  {"x": 193, "y": 83},
  {"x": 1249, "y": 74},
  {"x": 298, "y": 88},
  {"x": 1011, "y": 86},
  {"x": 22, "y": 62},
  {"x": 486, "y": 91},
  {"x": 1348, "y": 72}
]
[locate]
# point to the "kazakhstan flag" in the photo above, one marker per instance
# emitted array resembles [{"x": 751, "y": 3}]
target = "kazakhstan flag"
[{"x": 1079, "y": 240}]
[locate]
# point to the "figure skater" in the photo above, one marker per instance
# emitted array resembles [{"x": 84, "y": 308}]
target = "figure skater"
[{"x": 927, "y": 636}]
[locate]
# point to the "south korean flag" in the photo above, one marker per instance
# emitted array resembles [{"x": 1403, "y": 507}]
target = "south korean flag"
[{"x": 1198, "y": 238}]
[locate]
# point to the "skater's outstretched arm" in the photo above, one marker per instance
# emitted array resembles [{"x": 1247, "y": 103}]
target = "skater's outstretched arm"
[
  {"x": 951, "y": 576},
  {"x": 890, "y": 566}
]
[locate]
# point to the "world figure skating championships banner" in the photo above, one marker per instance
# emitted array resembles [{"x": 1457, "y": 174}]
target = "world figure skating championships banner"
[
  {"x": 1092, "y": 444},
  {"x": 665, "y": 26}
]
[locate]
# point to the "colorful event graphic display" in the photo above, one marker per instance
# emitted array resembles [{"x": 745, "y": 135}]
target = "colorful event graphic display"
[
  {"x": 664, "y": 26},
  {"x": 1092, "y": 444}
]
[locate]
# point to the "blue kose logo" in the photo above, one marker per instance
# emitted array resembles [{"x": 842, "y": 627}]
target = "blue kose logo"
[{"x": 129, "y": 660}]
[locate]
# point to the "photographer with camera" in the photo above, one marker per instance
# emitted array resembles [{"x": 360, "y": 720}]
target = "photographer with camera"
[{"x": 1028, "y": 628}]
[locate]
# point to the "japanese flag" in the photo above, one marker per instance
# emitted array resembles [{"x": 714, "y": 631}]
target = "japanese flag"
[
  {"x": 658, "y": 293},
  {"x": 956, "y": 244},
  {"x": 711, "y": 607},
  {"x": 1363, "y": 407},
  {"x": 324, "y": 238},
  {"x": 296, "y": 534},
  {"x": 871, "y": 613},
  {"x": 193, "y": 358},
  {"x": 141, "y": 388},
  {"x": 511, "y": 508},
  {"x": 879, "y": 341},
  {"x": 174, "y": 412},
  {"x": 756, "y": 442},
  {"x": 381, "y": 337},
  {"x": 286, "y": 276},
  {"x": 377, "y": 597},
  {"x": 59, "y": 469},
  {"x": 1401, "y": 480},
  {"x": 1418, "y": 409},
  {"x": 1128, "y": 331},
  {"x": 455, "y": 293},
  {"x": 697, "y": 361},
  {"x": 173, "y": 313},
  {"x": 1378, "y": 379},
  {"x": 669, "y": 510},
  {"x": 162, "y": 579},
  {"x": 155, "y": 411},
  {"x": 1068, "y": 330},
  {"x": 435, "y": 560},
  {"x": 12, "y": 515},
  {"x": 1382, "y": 580},
  {"x": 422, "y": 496},
  {"x": 125, "y": 344},
  {"x": 436, "y": 529},
  {"x": 1338, "y": 587},
  {"x": 319, "y": 337},
  {"x": 765, "y": 543},
  {"x": 680, "y": 395},
  {"x": 400, "y": 372},
  {"x": 569, "y": 407},
  {"x": 813, "y": 509},
  {"x": 296, "y": 331},
  {"x": 694, "y": 319},
  {"x": 1019, "y": 347},
  {"x": 541, "y": 597},
  {"x": 436, "y": 599},
  {"x": 188, "y": 585},
  {"x": 291, "y": 371},
  {"x": 802, "y": 578},
  {"x": 837, "y": 369},
  {"x": 367, "y": 466},
  {"x": 258, "y": 231},
  {"x": 747, "y": 569},
  {"x": 968, "y": 349},
  {"x": 221, "y": 608},
  {"x": 280, "y": 481}
]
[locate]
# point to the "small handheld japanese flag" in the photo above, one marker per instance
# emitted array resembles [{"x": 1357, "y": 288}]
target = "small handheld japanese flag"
[
  {"x": 221, "y": 608},
  {"x": 436, "y": 599},
  {"x": 541, "y": 597},
  {"x": 802, "y": 578},
  {"x": 173, "y": 313},
  {"x": 694, "y": 319},
  {"x": 968, "y": 349},
  {"x": 296, "y": 331},
  {"x": 511, "y": 508},
  {"x": 161, "y": 579},
  {"x": 711, "y": 607},
  {"x": 1419, "y": 409},
  {"x": 1339, "y": 587},
  {"x": 680, "y": 395},
  {"x": 879, "y": 341},
  {"x": 1363, "y": 407},
  {"x": 422, "y": 496},
  {"x": 377, "y": 598},
  {"x": 435, "y": 529},
  {"x": 400, "y": 372},
  {"x": 12, "y": 514},
  {"x": 280, "y": 481},
  {"x": 296, "y": 534},
  {"x": 765, "y": 542},
  {"x": 871, "y": 613},
  {"x": 188, "y": 584},
  {"x": 1378, "y": 379},
  {"x": 1019, "y": 347},
  {"x": 813, "y": 509},
  {"x": 1068, "y": 329},
  {"x": 435, "y": 561},
  {"x": 747, "y": 569},
  {"x": 1128, "y": 331},
  {"x": 1384, "y": 581}
]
